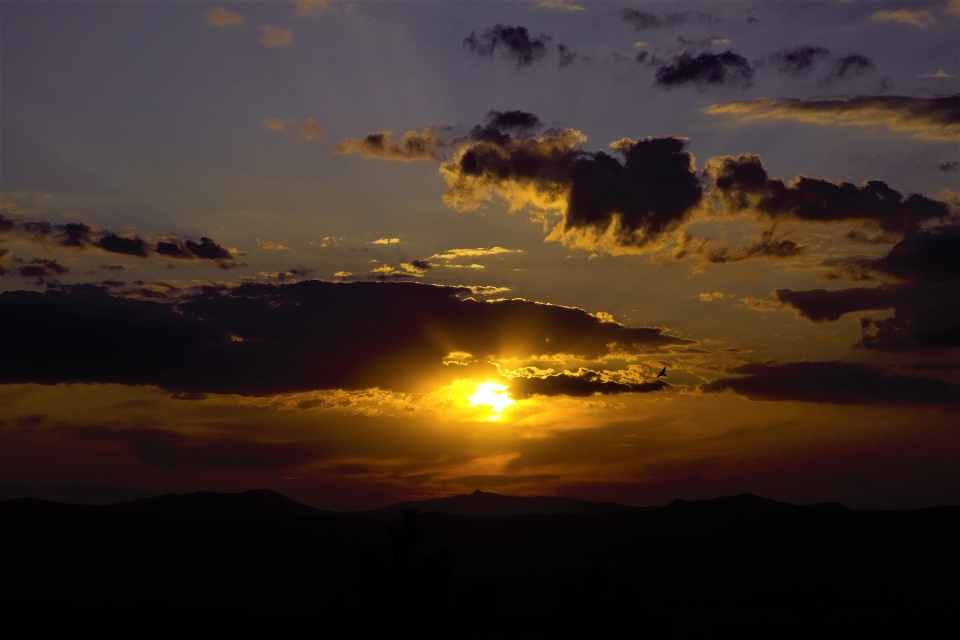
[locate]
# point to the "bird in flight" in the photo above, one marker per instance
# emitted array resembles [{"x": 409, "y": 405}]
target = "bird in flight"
[{"x": 663, "y": 373}]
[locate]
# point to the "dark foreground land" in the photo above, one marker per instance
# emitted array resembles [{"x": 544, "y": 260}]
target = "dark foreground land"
[{"x": 257, "y": 565}]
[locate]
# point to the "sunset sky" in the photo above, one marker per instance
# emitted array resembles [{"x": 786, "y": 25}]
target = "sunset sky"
[{"x": 371, "y": 251}]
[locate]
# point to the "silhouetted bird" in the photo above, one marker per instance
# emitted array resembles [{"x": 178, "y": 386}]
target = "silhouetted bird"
[{"x": 663, "y": 373}]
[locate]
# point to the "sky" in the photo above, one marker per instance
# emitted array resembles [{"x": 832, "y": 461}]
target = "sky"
[{"x": 363, "y": 252}]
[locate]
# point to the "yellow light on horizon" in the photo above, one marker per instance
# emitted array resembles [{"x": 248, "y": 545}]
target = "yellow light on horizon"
[{"x": 493, "y": 395}]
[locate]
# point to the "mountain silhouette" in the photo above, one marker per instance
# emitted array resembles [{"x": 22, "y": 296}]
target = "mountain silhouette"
[
  {"x": 744, "y": 503},
  {"x": 482, "y": 503},
  {"x": 259, "y": 503},
  {"x": 260, "y": 565}
]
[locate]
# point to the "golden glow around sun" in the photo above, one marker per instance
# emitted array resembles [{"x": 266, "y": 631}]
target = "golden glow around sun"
[{"x": 493, "y": 395}]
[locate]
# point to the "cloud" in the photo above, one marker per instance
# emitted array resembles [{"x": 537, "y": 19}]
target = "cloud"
[
  {"x": 741, "y": 183},
  {"x": 36, "y": 268},
  {"x": 172, "y": 450},
  {"x": 833, "y": 382},
  {"x": 931, "y": 118},
  {"x": 260, "y": 339},
  {"x": 412, "y": 146},
  {"x": 851, "y": 66},
  {"x": 406, "y": 270},
  {"x": 270, "y": 245},
  {"x": 926, "y": 301},
  {"x": 311, "y": 131},
  {"x": 949, "y": 166},
  {"x": 567, "y": 57},
  {"x": 727, "y": 68},
  {"x": 938, "y": 74},
  {"x": 953, "y": 7},
  {"x": 798, "y": 61},
  {"x": 275, "y": 37},
  {"x": 604, "y": 201},
  {"x": 559, "y": 5},
  {"x": 643, "y": 20},
  {"x": 914, "y": 17},
  {"x": 710, "y": 297},
  {"x": 221, "y": 17},
  {"x": 453, "y": 254},
  {"x": 311, "y": 7},
  {"x": 582, "y": 384},
  {"x": 386, "y": 241},
  {"x": 513, "y": 42},
  {"x": 766, "y": 247},
  {"x": 132, "y": 246},
  {"x": 761, "y": 304},
  {"x": 78, "y": 235},
  {"x": 274, "y": 124}
]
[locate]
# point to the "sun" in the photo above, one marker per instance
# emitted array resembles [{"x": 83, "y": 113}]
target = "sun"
[{"x": 493, "y": 395}]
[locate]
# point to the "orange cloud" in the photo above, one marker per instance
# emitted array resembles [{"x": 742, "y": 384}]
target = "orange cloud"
[
  {"x": 928, "y": 118},
  {"x": 275, "y": 37},
  {"x": 221, "y": 17},
  {"x": 412, "y": 146}
]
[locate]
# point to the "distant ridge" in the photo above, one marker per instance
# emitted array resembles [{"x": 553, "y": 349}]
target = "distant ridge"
[
  {"x": 259, "y": 503},
  {"x": 482, "y": 503},
  {"x": 745, "y": 502}
]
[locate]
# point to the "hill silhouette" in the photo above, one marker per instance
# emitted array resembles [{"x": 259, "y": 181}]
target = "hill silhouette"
[
  {"x": 259, "y": 503},
  {"x": 258, "y": 565},
  {"x": 482, "y": 503}
]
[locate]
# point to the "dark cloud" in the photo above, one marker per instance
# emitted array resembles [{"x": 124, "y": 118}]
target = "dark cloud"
[
  {"x": 926, "y": 304},
  {"x": 40, "y": 268},
  {"x": 798, "y": 61},
  {"x": 259, "y": 339},
  {"x": 513, "y": 42},
  {"x": 726, "y": 68},
  {"x": 502, "y": 124},
  {"x": 131, "y": 246},
  {"x": 926, "y": 316},
  {"x": 75, "y": 234},
  {"x": 835, "y": 383},
  {"x": 170, "y": 450},
  {"x": 852, "y": 66},
  {"x": 932, "y": 255},
  {"x": 80, "y": 235},
  {"x": 582, "y": 384},
  {"x": 567, "y": 57},
  {"x": 650, "y": 191},
  {"x": 742, "y": 183},
  {"x": 949, "y": 166},
  {"x": 643, "y": 20},
  {"x": 380, "y": 145},
  {"x": 766, "y": 247}
]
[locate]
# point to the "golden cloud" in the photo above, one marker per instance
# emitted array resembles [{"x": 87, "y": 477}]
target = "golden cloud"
[
  {"x": 928, "y": 118},
  {"x": 453, "y": 254},
  {"x": 221, "y": 17},
  {"x": 386, "y": 241},
  {"x": 270, "y": 245},
  {"x": 915, "y": 17},
  {"x": 311, "y": 7},
  {"x": 559, "y": 5},
  {"x": 275, "y": 37},
  {"x": 274, "y": 124},
  {"x": 411, "y": 146},
  {"x": 311, "y": 131}
]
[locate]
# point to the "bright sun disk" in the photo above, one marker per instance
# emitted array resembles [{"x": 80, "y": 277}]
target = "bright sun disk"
[{"x": 493, "y": 395}]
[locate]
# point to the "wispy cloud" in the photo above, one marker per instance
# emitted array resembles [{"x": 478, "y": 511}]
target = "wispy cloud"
[
  {"x": 271, "y": 36},
  {"x": 929, "y": 118},
  {"x": 914, "y": 17},
  {"x": 221, "y": 17},
  {"x": 559, "y": 5}
]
